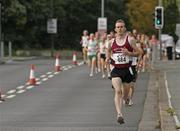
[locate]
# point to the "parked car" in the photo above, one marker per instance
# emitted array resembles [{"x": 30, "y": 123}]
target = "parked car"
[{"x": 177, "y": 50}]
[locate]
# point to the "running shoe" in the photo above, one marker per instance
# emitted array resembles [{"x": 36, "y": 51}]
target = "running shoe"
[
  {"x": 103, "y": 76},
  {"x": 112, "y": 87},
  {"x": 91, "y": 74},
  {"x": 127, "y": 101},
  {"x": 120, "y": 119},
  {"x": 130, "y": 102},
  {"x": 109, "y": 77}
]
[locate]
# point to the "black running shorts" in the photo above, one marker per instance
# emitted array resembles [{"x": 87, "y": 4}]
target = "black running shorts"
[
  {"x": 124, "y": 73},
  {"x": 134, "y": 73}
]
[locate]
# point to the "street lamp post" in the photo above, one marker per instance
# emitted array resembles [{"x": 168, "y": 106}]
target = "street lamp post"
[
  {"x": 0, "y": 20},
  {"x": 52, "y": 35},
  {"x": 102, "y": 8},
  {"x": 1, "y": 48},
  {"x": 159, "y": 35}
]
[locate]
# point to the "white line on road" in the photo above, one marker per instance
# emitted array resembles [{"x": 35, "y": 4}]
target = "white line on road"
[
  {"x": 11, "y": 96},
  {"x": 42, "y": 76},
  {"x": 65, "y": 69},
  {"x": 37, "y": 79},
  {"x": 169, "y": 100},
  {"x": 44, "y": 79},
  {"x": 50, "y": 76},
  {"x": 38, "y": 83},
  {"x": 20, "y": 87},
  {"x": 21, "y": 91},
  {"x": 11, "y": 91},
  {"x": 48, "y": 73},
  {"x": 55, "y": 73},
  {"x": 29, "y": 87}
]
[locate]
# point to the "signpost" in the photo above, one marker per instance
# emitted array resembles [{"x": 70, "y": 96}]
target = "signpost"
[
  {"x": 52, "y": 29},
  {"x": 52, "y": 26},
  {"x": 102, "y": 25}
]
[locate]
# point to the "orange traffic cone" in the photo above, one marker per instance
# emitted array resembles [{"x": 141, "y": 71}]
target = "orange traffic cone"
[
  {"x": 1, "y": 99},
  {"x": 57, "y": 64},
  {"x": 32, "y": 79},
  {"x": 75, "y": 58}
]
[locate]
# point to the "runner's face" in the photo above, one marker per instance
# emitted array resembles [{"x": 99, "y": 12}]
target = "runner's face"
[{"x": 120, "y": 28}]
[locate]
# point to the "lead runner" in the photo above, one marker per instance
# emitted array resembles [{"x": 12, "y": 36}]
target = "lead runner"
[{"x": 120, "y": 51}]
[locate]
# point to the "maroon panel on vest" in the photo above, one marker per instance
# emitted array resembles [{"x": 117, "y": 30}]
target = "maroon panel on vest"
[{"x": 117, "y": 49}]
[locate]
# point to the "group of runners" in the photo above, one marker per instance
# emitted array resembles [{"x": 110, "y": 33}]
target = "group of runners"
[{"x": 122, "y": 55}]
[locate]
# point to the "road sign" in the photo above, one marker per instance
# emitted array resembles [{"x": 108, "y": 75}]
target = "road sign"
[
  {"x": 102, "y": 24},
  {"x": 52, "y": 26}
]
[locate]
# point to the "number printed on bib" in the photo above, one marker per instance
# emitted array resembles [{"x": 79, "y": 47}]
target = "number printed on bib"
[{"x": 120, "y": 58}]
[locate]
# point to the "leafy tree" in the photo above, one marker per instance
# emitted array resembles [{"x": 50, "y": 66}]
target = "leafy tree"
[
  {"x": 26, "y": 21},
  {"x": 171, "y": 16},
  {"x": 140, "y": 13},
  {"x": 115, "y": 9},
  {"x": 15, "y": 19}
]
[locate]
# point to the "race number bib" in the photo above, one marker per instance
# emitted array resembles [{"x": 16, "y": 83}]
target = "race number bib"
[{"x": 120, "y": 58}]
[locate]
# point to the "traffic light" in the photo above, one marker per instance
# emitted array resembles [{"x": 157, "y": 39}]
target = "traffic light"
[{"x": 159, "y": 17}]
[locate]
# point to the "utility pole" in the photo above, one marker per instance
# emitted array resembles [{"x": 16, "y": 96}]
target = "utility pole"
[
  {"x": 102, "y": 8},
  {"x": 0, "y": 20},
  {"x": 1, "y": 43},
  {"x": 159, "y": 35},
  {"x": 52, "y": 35},
  {"x": 0, "y": 34},
  {"x": 102, "y": 21}
]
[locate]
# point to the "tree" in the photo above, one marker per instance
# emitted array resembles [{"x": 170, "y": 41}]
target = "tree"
[
  {"x": 15, "y": 19},
  {"x": 140, "y": 13},
  {"x": 171, "y": 18},
  {"x": 26, "y": 21}
]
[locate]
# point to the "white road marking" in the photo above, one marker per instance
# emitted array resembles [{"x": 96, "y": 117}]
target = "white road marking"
[
  {"x": 50, "y": 76},
  {"x": 21, "y": 91},
  {"x": 38, "y": 83},
  {"x": 55, "y": 73},
  {"x": 11, "y": 96},
  {"x": 29, "y": 87},
  {"x": 42, "y": 76},
  {"x": 44, "y": 79},
  {"x": 65, "y": 69},
  {"x": 169, "y": 100},
  {"x": 48, "y": 73},
  {"x": 11, "y": 91},
  {"x": 20, "y": 87}
]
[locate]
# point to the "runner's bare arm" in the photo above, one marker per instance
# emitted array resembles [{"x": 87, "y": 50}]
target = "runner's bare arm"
[
  {"x": 136, "y": 51},
  {"x": 108, "y": 51}
]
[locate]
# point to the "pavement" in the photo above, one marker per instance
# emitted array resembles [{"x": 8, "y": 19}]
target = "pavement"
[
  {"x": 155, "y": 115},
  {"x": 8, "y": 60}
]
